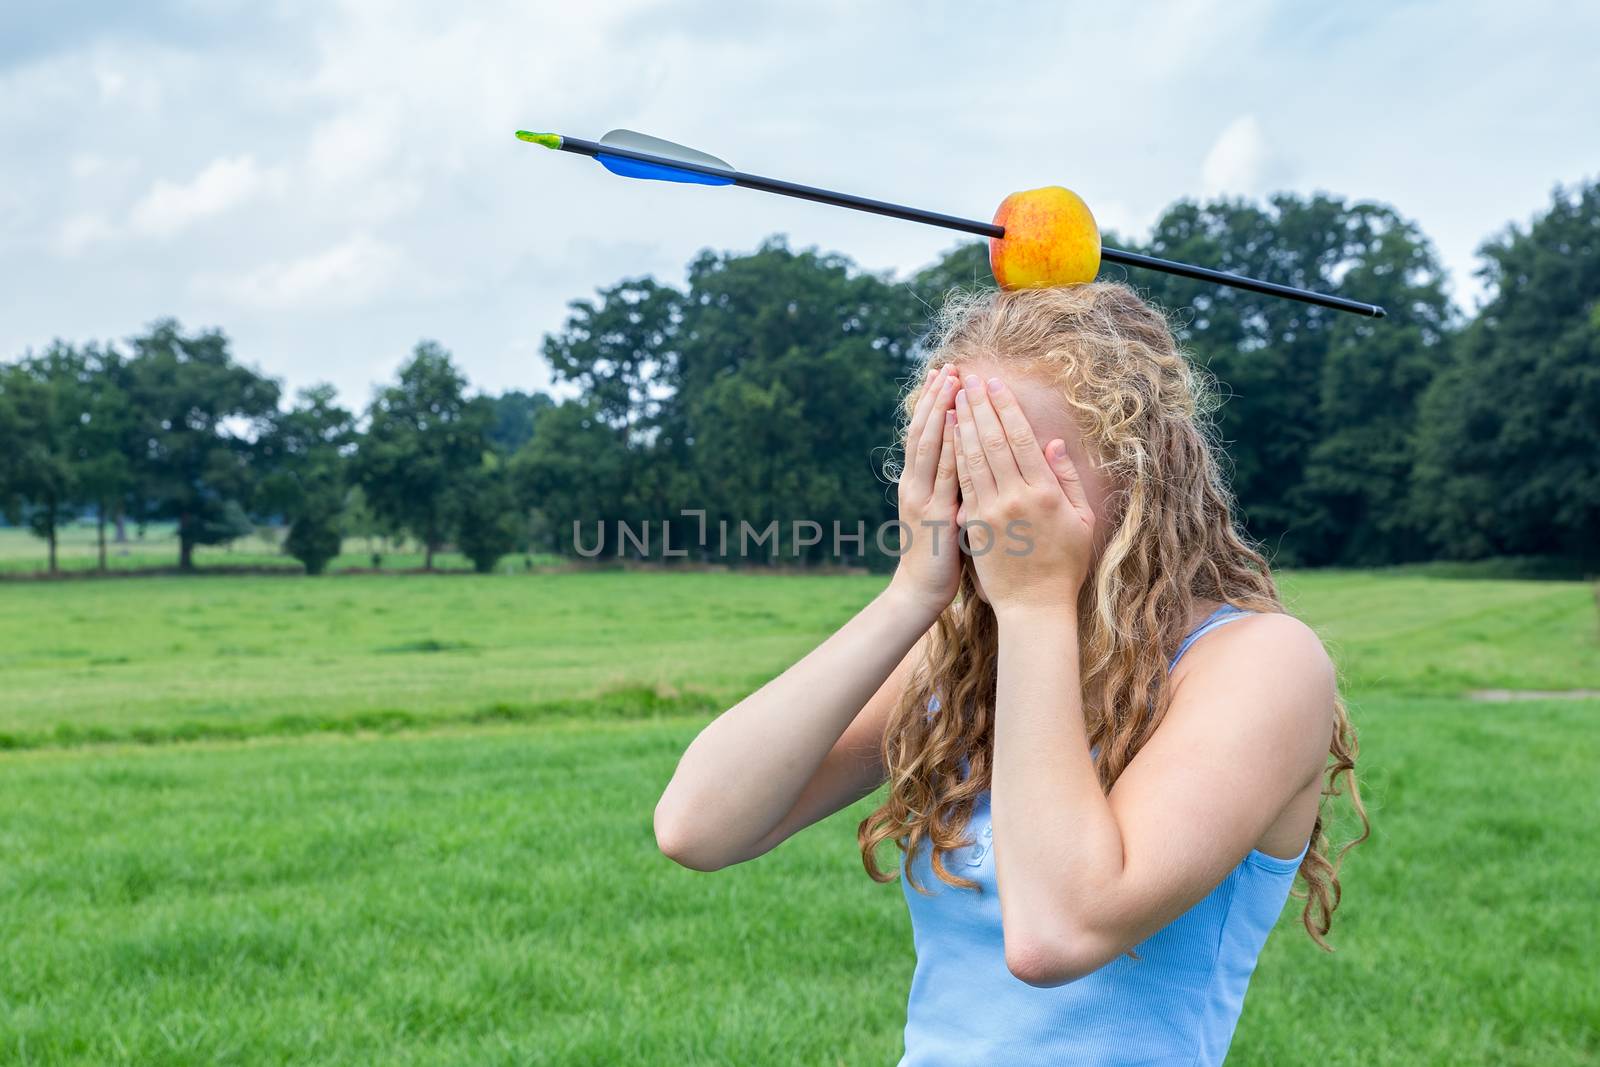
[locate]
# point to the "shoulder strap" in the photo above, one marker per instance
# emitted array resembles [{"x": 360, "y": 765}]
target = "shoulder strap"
[{"x": 1225, "y": 613}]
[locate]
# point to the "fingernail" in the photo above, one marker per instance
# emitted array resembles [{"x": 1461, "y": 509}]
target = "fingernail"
[
  {"x": 996, "y": 385},
  {"x": 974, "y": 384},
  {"x": 949, "y": 383},
  {"x": 949, "y": 419}
]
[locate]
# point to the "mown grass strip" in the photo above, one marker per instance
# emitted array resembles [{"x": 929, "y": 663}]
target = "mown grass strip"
[{"x": 621, "y": 703}]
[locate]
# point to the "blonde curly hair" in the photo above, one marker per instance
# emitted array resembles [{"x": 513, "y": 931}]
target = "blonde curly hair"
[{"x": 1145, "y": 415}]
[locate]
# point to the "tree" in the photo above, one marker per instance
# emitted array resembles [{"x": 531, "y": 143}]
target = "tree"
[
  {"x": 16, "y": 439},
  {"x": 1296, "y": 376},
  {"x": 1509, "y": 442},
  {"x": 199, "y": 414},
  {"x": 107, "y": 439},
  {"x": 314, "y": 539},
  {"x": 619, "y": 350},
  {"x": 69, "y": 425},
  {"x": 44, "y": 404},
  {"x": 574, "y": 471},
  {"x": 767, "y": 391},
  {"x": 790, "y": 370},
  {"x": 1354, "y": 504},
  {"x": 490, "y": 524},
  {"x": 964, "y": 267},
  {"x": 12, "y": 436},
  {"x": 304, "y": 456},
  {"x": 424, "y": 435},
  {"x": 514, "y": 415}
]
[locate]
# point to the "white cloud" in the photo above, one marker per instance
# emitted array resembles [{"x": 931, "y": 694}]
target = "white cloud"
[
  {"x": 110, "y": 82},
  {"x": 87, "y": 164},
  {"x": 353, "y": 146},
  {"x": 348, "y": 274},
  {"x": 81, "y": 231},
  {"x": 223, "y": 185},
  {"x": 1240, "y": 162}
]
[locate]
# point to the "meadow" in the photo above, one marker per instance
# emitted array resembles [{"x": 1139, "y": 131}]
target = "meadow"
[
  {"x": 403, "y": 819},
  {"x": 155, "y": 547}
]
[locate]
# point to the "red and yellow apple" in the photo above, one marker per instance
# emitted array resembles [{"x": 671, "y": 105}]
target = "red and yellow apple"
[{"x": 1051, "y": 239}]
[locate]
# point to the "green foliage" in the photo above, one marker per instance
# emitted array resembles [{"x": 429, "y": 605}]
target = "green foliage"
[
  {"x": 424, "y": 434},
  {"x": 66, "y": 432},
  {"x": 763, "y": 392},
  {"x": 514, "y": 416},
  {"x": 1319, "y": 406},
  {"x": 314, "y": 539},
  {"x": 13, "y": 440},
  {"x": 1510, "y": 443},
  {"x": 490, "y": 523},
  {"x": 198, "y": 415},
  {"x": 620, "y": 350},
  {"x": 42, "y": 395},
  {"x": 304, "y": 455},
  {"x": 107, "y": 470},
  {"x": 575, "y": 470},
  {"x": 964, "y": 267}
]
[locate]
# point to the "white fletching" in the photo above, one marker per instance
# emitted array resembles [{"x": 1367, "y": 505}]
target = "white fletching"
[{"x": 643, "y": 142}]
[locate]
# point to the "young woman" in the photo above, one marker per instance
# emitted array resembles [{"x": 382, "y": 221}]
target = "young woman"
[{"x": 1105, "y": 742}]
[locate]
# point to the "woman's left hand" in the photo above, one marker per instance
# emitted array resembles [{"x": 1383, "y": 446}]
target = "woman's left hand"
[{"x": 1034, "y": 554}]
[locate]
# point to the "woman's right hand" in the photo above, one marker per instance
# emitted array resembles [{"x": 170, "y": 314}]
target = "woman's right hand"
[{"x": 930, "y": 560}]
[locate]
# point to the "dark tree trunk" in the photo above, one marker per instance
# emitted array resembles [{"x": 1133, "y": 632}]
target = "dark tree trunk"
[
  {"x": 52, "y": 517},
  {"x": 185, "y": 545},
  {"x": 427, "y": 556},
  {"x": 100, "y": 535}
]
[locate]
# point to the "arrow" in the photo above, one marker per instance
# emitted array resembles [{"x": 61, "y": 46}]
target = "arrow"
[{"x": 638, "y": 155}]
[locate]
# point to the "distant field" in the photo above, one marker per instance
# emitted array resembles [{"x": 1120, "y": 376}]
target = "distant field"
[
  {"x": 483, "y": 888},
  {"x": 171, "y": 658},
  {"x": 157, "y": 547}
]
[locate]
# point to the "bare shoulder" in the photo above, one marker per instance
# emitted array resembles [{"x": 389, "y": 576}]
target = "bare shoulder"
[
  {"x": 1264, "y": 643},
  {"x": 1269, "y": 674}
]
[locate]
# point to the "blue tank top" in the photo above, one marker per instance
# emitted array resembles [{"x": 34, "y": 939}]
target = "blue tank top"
[{"x": 1177, "y": 1003}]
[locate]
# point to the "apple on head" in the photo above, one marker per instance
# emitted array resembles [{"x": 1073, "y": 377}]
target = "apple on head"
[{"x": 1051, "y": 239}]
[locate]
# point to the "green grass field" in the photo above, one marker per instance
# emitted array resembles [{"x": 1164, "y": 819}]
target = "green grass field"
[{"x": 407, "y": 820}]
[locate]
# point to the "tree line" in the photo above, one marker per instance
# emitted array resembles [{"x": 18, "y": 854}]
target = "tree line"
[{"x": 765, "y": 389}]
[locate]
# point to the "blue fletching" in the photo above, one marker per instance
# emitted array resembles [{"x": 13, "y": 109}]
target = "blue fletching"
[{"x": 632, "y": 168}]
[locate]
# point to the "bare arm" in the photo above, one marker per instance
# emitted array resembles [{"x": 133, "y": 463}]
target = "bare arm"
[
  {"x": 801, "y": 747},
  {"x": 1083, "y": 876},
  {"x": 807, "y": 743}
]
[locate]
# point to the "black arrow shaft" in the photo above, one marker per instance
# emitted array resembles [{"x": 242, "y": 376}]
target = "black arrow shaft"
[{"x": 972, "y": 226}]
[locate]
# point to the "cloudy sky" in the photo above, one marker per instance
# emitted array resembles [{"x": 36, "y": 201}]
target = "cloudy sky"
[{"x": 331, "y": 181}]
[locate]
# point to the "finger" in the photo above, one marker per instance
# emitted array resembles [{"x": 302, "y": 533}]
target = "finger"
[
  {"x": 980, "y": 477},
  {"x": 931, "y": 449},
  {"x": 963, "y": 475},
  {"x": 944, "y": 484},
  {"x": 991, "y": 436},
  {"x": 1025, "y": 448},
  {"x": 919, "y": 419},
  {"x": 1066, "y": 474},
  {"x": 919, "y": 413}
]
